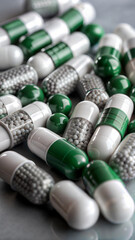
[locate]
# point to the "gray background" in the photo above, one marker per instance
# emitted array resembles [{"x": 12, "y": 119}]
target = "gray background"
[{"x": 20, "y": 220}]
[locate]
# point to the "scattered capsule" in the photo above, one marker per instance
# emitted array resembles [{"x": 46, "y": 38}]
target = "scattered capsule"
[
  {"x": 50, "y": 8},
  {"x": 8, "y": 105},
  {"x": 60, "y": 103},
  {"x": 14, "y": 79},
  {"x": 123, "y": 159},
  {"x": 108, "y": 190},
  {"x": 74, "y": 205},
  {"x": 94, "y": 31},
  {"x": 111, "y": 127},
  {"x": 132, "y": 94},
  {"x": 16, "y": 127},
  {"x": 10, "y": 56},
  {"x": 81, "y": 124},
  {"x": 57, "y": 152},
  {"x": 119, "y": 84},
  {"x": 26, "y": 23},
  {"x": 131, "y": 127},
  {"x": 64, "y": 79},
  {"x": 107, "y": 62},
  {"x": 48, "y": 60},
  {"x": 91, "y": 88},
  {"x": 30, "y": 93},
  {"x": 57, "y": 123},
  {"x": 25, "y": 177},
  {"x": 57, "y": 28}
]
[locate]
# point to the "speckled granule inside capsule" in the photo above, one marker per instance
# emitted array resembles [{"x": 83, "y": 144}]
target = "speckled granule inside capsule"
[
  {"x": 97, "y": 96},
  {"x": 33, "y": 183},
  {"x": 3, "y": 110},
  {"x": 78, "y": 132}
]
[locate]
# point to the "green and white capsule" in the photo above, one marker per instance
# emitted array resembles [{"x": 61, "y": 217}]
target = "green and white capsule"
[
  {"x": 57, "y": 28},
  {"x": 50, "y": 8},
  {"x": 111, "y": 127},
  {"x": 64, "y": 79},
  {"x": 127, "y": 34},
  {"x": 48, "y": 60},
  {"x": 91, "y": 88},
  {"x": 25, "y": 177},
  {"x": 74, "y": 205},
  {"x": 57, "y": 152},
  {"x": 108, "y": 190},
  {"x": 24, "y": 24},
  {"x": 8, "y": 105},
  {"x": 107, "y": 62}
]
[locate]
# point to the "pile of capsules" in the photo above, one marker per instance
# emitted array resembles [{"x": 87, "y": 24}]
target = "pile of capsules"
[{"x": 44, "y": 61}]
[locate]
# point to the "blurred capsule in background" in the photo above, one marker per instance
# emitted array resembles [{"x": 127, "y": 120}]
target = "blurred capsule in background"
[
  {"x": 81, "y": 124},
  {"x": 131, "y": 127},
  {"x": 8, "y": 105},
  {"x": 30, "y": 93},
  {"x": 74, "y": 205},
  {"x": 119, "y": 84},
  {"x": 16, "y": 127},
  {"x": 132, "y": 94},
  {"x": 25, "y": 24},
  {"x": 107, "y": 61},
  {"x": 57, "y": 152},
  {"x": 50, "y": 8},
  {"x": 108, "y": 190},
  {"x": 59, "y": 103},
  {"x": 64, "y": 79},
  {"x": 57, "y": 123},
  {"x": 111, "y": 127},
  {"x": 25, "y": 177},
  {"x": 14, "y": 79},
  {"x": 91, "y": 88},
  {"x": 10, "y": 56}
]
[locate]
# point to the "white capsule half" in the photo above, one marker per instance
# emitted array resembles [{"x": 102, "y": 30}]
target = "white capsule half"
[
  {"x": 11, "y": 103},
  {"x": 74, "y": 205},
  {"x": 111, "y": 40},
  {"x": 125, "y": 31},
  {"x": 116, "y": 204},
  {"x": 10, "y": 56},
  {"x": 87, "y": 11}
]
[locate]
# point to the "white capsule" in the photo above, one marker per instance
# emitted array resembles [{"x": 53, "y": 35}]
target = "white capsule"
[
  {"x": 10, "y": 56},
  {"x": 74, "y": 205},
  {"x": 125, "y": 31},
  {"x": 11, "y": 103}
]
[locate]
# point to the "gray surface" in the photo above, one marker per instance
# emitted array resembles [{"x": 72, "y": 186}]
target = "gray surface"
[{"x": 20, "y": 220}]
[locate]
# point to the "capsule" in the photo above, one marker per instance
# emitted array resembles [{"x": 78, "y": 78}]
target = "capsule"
[
  {"x": 108, "y": 190},
  {"x": 10, "y": 56},
  {"x": 81, "y": 124},
  {"x": 64, "y": 79},
  {"x": 57, "y": 28},
  {"x": 48, "y": 60},
  {"x": 16, "y": 127},
  {"x": 25, "y": 177},
  {"x": 24, "y": 24},
  {"x": 14, "y": 79},
  {"x": 74, "y": 205},
  {"x": 123, "y": 159},
  {"x": 91, "y": 88},
  {"x": 119, "y": 84},
  {"x": 50, "y": 8},
  {"x": 57, "y": 152},
  {"x": 107, "y": 62},
  {"x": 8, "y": 105},
  {"x": 111, "y": 127}
]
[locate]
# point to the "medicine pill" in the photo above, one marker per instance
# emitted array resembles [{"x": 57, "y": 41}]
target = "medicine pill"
[
  {"x": 57, "y": 152},
  {"x": 16, "y": 127},
  {"x": 81, "y": 124},
  {"x": 8, "y": 105},
  {"x": 14, "y": 79},
  {"x": 74, "y": 205},
  {"x": 57, "y": 123},
  {"x": 95, "y": 32},
  {"x": 25, "y": 177},
  {"x": 10, "y": 56},
  {"x": 108, "y": 190},
  {"x": 60, "y": 103},
  {"x": 119, "y": 84},
  {"x": 64, "y": 79},
  {"x": 56, "y": 29},
  {"x": 26, "y": 23},
  {"x": 50, "y": 8},
  {"x": 91, "y": 88},
  {"x": 47, "y": 61},
  {"x": 107, "y": 62},
  {"x": 111, "y": 127}
]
